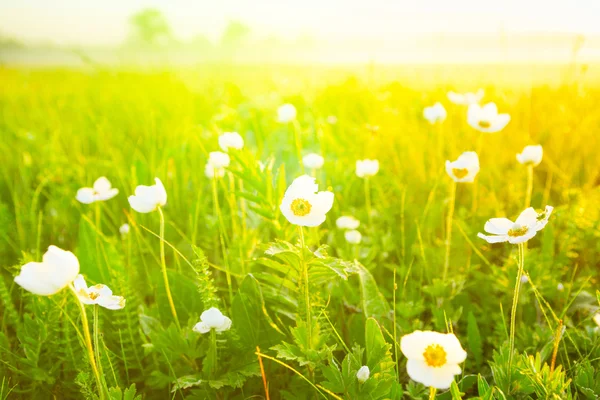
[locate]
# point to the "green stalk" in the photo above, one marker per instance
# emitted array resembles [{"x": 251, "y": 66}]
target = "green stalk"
[
  {"x": 163, "y": 265},
  {"x": 449, "y": 219},
  {"x": 213, "y": 349},
  {"x": 221, "y": 234},
  {"x": 88, "y": 344},
  {"x": 368, "y": 202},
  {"x": 529, "y": 185},
  {"x": 432, "y": 392},
  {"x": 304, "y": 274},
  {"x": 96, "y": 340},
  {"x": 513, "y": 312}
]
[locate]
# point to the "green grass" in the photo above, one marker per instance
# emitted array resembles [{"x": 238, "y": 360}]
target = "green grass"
[{"x": 60, "y": 130}]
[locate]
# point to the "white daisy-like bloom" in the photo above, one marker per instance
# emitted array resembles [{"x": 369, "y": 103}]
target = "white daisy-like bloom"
[
  {"x": 124, "y": 229},
  {"x": 363, "y": 374},
  {"x": 212, "y": 319},
  {"x": 231, "y": 140},
  {"x": 366, "y": 168},
  {"x": 524, "y": 228},
  {"x": 286, "y": 113},
  {"x": 435, "y": 113},
  {"x": 97, "y": 294},
  {"x": 148, "y": 198},
  {"x": 353, "y": 236},
  {"x": 465, "y": 168},
  {"x": 486, "y": 118},
  {"x": 102, "y": 190},
  {"x": 466, "y": 98},
  {"x": 347, "y": 222},
  {"x": 531, "y": 155},
  {"x": 303, "y": 204},
  {"x": 56, "y": 271},
  {"x": 433, "y": 357},
  {"x": 313, "y": 161},
  {"x": 216, "y": 164}
]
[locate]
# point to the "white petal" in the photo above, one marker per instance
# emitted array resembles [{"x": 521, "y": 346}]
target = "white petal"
[
  {"x": 102, "y": 196},
  {"x": 439, "y": 378},
  {"x": 111, "y": 302},
  {"x": 33, "y": 277},
  {"x": 498, "y": 226},
  {"x": 493, "y": 239},
  {"x": 527, "y": 218},
  {"x": 225, "y": 325},
  {"x": 85, "y": 195},
  {"x": 201, "y": 327},
  {"x": 141, "y": 205},
  {"x": 79, "y": 283},
  {"x": 102, "y": 185},
  {"x": 161, "y": 193},
  {"x": 323, "y": 202},
  {"x": 522, "y": 239}
]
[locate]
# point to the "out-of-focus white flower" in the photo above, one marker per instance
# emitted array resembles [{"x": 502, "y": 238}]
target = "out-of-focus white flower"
[
  {"x": 97, "y": 294},
  {"x": 524, "y": 228},
  {"x": 303, "y": 204},
  {"x": 486, "y": 118},
  {"x": 212, "y": 319},
  {"x": 347, "y": 222},
  {"x": 597, "y": 319},
  {"x": 353, "y": 236},
  {"x": 363, "y": 374},
  {"x": 531, "y": 155},
  {"x": 435, "y": 113},
  {"x": 465, "y": 168},
  {"x": 216, "y": 164},
  {"x": 101, "y": 191},
  {"x": 433, "y": 357},
  {"x": 524, "y": 279},
  {"x": 466, "y": 98},
  {"x": 313, "y": 161},
  {"x": 148, "y": 198},
  {"x": 286, "y": 113},
  {"x": 231, "y": 140},
  {"x": 332, "y": 120},
  {"x": 56, "y": 271},
  {"x": 560, "y": 287},
  {"x": 124, "y": 229},
  {"x": 366, "y": 168}
]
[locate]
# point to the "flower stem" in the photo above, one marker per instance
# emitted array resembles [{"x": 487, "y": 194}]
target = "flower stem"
[
  {"x": 213, "y": 349},
  {"x": 556, "y": 343},
  {"x": 304, "y": 272},
  {"x": 449, "y": 219},
  {"x": 298, "y": 140},
  {"x": 513, "y": 312},
  {"x": 529, "y": 185},
  {"x": 88, "y": 344},
  {"x": 96, "y": 340},
  {"x": 221, "y": 236},
  {"x": 432, "y": 392},
  {"x": 368, "y": 202},
  {"x": 163, "y": 265}
]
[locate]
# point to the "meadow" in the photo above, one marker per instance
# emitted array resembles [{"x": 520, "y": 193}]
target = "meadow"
[{"x": 303, "y": 305}]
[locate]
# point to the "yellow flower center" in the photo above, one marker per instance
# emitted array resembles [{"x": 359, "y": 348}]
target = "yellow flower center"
[
  {"x": 460, "y": 173},
  {"x": 94, "y": 295},
  {"x": 435, "y": 355},
  {"x": 517, "y": 231},
  {"x": 300, "y": 207},
  {"x": 484, "y": 124}
]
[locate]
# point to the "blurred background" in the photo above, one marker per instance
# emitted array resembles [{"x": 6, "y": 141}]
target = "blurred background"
[{"x": 145, "y": 33}]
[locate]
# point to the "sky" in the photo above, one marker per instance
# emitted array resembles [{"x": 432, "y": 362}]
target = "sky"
[{"x": 105, "y": 22}]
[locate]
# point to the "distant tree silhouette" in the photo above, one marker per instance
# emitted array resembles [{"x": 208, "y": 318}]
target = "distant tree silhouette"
[{"x": 150, "y": 27}]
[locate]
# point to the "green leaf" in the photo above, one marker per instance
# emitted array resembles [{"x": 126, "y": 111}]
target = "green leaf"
[
  {"x": 373, "y": 302},
  {"x": 474, "y": 339}
]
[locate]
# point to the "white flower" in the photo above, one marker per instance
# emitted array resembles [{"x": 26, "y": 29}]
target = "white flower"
[
  {"x": 216, "y": 164},
  {"x": 531, "y": 155},
  {"x": 286, "y": 113},
  {"x": 97, "y": 294},
  {"x": 465, "y": 168},
  {"x": 57, "y": 270},
  {"x": 466, "y": 98},
  {"x": 212, "y": 319},
  {"x": 363, "y": 374},
  {"x": 597, "y": 318},
  {"x": 524, "y": 228},
  {"x": 486, "y": 118},
  {"x": 433, "y": 357},
  {"x": 435, "y": 113},
  {"x": 101, "y": 191},
  {"x": 148, "y": 198},
  {"x": 560, "y": 287},
  {"x": 124, "y": 229},
  {"x": 313, "y": 161},
  {"x": 231, "y": 139},
  {"x": 353, "y": 236},
  {"x": 303, "y": 204},
  {"x": 347, "y": 222},
  {"x": 366, "y": 168},
  {"x": 524, "y": 279},
  {"x": 332, "y": 120}
]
